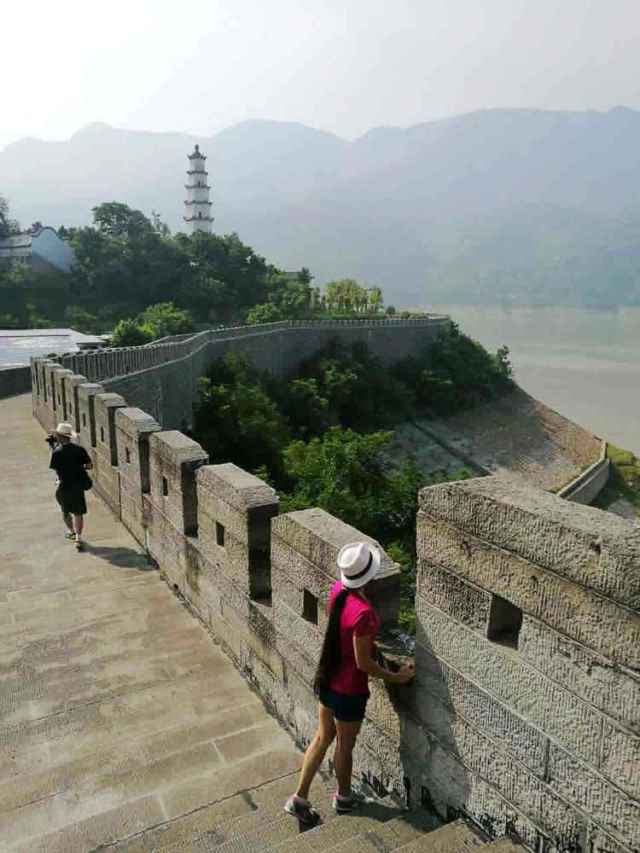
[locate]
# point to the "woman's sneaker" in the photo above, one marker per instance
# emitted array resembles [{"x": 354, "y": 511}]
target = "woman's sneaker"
[
  {"x": 303, "y": 810},
  {"x": 79, "y": 543},
  {"x": 346, "y": 805},
  {"x": 70, "y": 537}
]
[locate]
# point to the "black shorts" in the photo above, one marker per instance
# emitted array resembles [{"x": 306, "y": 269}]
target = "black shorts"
[
  {"x": 348, "y": 708},
  {"x": 71, "y": 499}
]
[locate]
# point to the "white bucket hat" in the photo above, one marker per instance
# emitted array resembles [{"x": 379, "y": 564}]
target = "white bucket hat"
[
  {"x": 359, "y": 563},
  {"x": 65, "y": 429}
]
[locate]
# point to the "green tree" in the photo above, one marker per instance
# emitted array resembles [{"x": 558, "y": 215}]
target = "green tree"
[
  {"x": 235, "y": 419},
  {"x": 346, "y": 295},
  {"x": 267, "y": 312},
  {"x": 165, "y": 319},
  {"x": 129, "y": 333},
  {"x": 375, "y": 300},
  {"x": 8, "y": 226},
  {"x": 115, "y": 219}
]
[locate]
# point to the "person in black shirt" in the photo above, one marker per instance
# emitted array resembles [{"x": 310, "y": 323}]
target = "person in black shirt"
[{"x": 70, "y": 462}]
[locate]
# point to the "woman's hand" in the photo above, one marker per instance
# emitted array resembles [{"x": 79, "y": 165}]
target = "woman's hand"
[{"x": 404, "y": 675}]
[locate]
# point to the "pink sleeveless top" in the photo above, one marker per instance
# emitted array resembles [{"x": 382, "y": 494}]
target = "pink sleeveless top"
[{"x": 358, "y": 618}]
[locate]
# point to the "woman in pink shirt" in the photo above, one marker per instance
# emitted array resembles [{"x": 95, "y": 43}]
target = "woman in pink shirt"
[{"x": 341, "y": 682}]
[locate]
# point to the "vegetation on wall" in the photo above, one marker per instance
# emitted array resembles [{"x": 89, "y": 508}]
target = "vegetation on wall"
[
  {"x": 624, "y": 480},
  {"x": 156, "y": 321},
  {"x": 322, "y": 436}
]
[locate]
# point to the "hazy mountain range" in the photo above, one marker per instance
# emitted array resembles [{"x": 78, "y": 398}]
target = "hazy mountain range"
[{"x": 502, "y": 205}]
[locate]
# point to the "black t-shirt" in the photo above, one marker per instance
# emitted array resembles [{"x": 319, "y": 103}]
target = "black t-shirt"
[{"x": 68, "y": 462}]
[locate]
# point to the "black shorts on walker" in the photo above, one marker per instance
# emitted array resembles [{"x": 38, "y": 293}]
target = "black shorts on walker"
[
  {"x": 71, "y": 499},
  {"x": 346, "y": 707}
]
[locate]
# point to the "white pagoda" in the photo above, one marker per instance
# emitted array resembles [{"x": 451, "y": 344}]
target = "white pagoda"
[{"x": 197, "y": 207}]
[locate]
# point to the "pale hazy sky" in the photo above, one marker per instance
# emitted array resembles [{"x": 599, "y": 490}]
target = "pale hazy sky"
[{"x": 340, "y": 65}]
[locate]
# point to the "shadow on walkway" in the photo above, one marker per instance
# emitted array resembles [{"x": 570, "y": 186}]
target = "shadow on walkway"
[{"x": 121, "y": 557}]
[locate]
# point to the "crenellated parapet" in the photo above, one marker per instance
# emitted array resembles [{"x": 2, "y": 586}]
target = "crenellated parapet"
[{"x": 525, "y": 711}]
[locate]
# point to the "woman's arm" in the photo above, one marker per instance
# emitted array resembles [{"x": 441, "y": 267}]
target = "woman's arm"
[{"x": 363, "y": 650}]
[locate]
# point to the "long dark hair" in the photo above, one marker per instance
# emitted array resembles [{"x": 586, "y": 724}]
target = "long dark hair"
[{"x": 331, "y": 653}]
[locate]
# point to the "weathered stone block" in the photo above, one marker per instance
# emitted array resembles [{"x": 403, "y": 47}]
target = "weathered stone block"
[
  {"x": 585, "y": 545},
  {"x": 441, "y": 783},
  {"x": 621, "y": 758},
  {"x": 43, "y": 405},
  {"x": 598, "y": 622},
  {"x": 70, "y": 389},
  {"x": 106, "y": 474},
  {"x": 60, "y": 375},
  {"x": 318, "y": 536},
  {"x": 174, "y": 461},
  {"x": 298, "y": 631},
  {"x": 608, "y": 806},
  {"x": 502, "y": 673},
  {"x": 602, "y": 842},
  {"x": 464, "y": 601},
  {"x": 133, "y": 428},
  {"x": 590, "y": 676},
  {"x": 50, "y": 388},
  {"x": 87, "y": 393},
  {"x": 525, "y": 792},
  {"x": 440, "y": 694},
  {"x": 235, "y": 510}
]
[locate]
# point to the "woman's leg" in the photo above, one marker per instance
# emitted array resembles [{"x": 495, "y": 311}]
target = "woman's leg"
[
  {"x": 347, "y": 734},
  {"x": 316, "y": 751}
]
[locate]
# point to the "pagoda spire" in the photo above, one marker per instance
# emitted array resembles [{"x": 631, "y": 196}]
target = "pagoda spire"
[{"x": 197, "y": 207}]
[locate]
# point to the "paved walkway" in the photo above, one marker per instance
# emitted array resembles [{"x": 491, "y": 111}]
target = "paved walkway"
[{"x": 118, "y": 714}]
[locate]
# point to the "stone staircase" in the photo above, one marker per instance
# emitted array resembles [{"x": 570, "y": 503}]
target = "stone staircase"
[{"x": 254, "y": 822}]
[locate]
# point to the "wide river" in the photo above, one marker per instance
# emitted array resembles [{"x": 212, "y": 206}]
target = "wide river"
[{"x": 583, "y": 363}]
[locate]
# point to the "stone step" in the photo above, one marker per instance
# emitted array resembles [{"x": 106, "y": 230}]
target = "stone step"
[
  {"x": 242, "y": 815},
  {"x": 333, "y": 832},
  {"x": 118, "y": 723},
  {"x": 503, "y": 845},
  {"x": 86, "y": 772},
  {"x": 127, "y": 819},
  {"x": 402, "y": 830},
  {"x": 456, "y": 837}
]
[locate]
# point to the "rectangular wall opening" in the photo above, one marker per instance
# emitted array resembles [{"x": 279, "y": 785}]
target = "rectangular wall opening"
[
  {"x": 165, "y": 487},
  {"x": 219, "y": 534},
  {"x": 145, "y": 465},
  {"x": 505, "y": 622},
  {"x": 127, "y": 454},
  {"x": 84, "y": 419},
  {"x": 310, "y": 607},
  {"x": 102, "y": 434}
]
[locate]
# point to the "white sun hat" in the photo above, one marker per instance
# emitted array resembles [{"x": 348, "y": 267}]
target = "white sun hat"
[
  {"x": 64, "y": 428},
  {"x": 359, "y": 563}
]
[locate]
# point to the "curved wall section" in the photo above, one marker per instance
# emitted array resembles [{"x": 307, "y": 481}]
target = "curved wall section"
[{"x": 162, "y": 378}]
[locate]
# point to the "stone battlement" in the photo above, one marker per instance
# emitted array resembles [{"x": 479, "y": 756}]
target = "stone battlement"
[{"x": 525, "y": 712}]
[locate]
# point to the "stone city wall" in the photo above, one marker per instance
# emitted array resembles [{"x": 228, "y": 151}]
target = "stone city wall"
[
  {"x": 527, "y": 706},
  {"x": 587, "y": 486},
  {"x": 525, "y": 712},
  {"x": 14, "y": 380},
  {"x": 162, "y": 378}
]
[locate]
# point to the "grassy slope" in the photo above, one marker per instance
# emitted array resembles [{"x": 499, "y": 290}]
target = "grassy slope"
[{"x": 624, "y": 480}]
